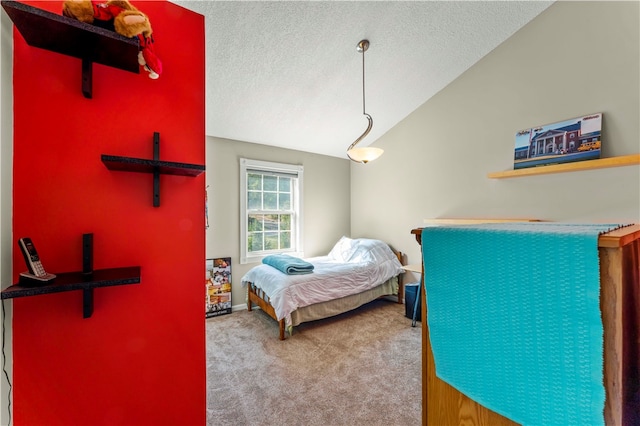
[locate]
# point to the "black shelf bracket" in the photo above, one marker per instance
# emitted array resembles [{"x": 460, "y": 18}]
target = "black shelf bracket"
[
  {"x": 87, "y": 78},
  {"x": 154, "y": 166},
  {"x": 156, "y": 170},
  {"x": 87, "y": 274},
  {"x": 87, "y": 302}
]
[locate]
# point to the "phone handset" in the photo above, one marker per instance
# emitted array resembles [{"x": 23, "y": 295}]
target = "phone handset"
[{"x": 36, "y": 274}]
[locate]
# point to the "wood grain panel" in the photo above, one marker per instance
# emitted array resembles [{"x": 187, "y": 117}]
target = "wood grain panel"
[
  {"x": 631, "y": 334},
  {"x": 610, "y": 306},
  {"x": 446, "y": 405},
  {"x": 619, "y": 253}
]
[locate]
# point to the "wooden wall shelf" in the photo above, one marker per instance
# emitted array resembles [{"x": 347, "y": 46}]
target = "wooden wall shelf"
[
  {"x": 67, "y": 36},
  {"x": 155, "y": 166},
  {"x": 70, "y": 281},
  {"x": 625, "y": 160}
]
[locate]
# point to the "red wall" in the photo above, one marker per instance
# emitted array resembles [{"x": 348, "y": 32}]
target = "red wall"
[{"x": 140, "y": 359}]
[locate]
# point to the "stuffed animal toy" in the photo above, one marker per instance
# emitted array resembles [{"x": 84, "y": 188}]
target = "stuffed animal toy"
[{"x": 122, "y": 17}]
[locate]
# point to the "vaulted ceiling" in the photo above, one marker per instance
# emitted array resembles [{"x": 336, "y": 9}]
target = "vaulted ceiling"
[{"x": 287, "y": 73}]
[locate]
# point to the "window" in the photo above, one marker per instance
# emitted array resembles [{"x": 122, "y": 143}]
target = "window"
[{"x": 270, "y": 209}]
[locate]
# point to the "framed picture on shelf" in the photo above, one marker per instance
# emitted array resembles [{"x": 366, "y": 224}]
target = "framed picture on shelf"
[
  {"x": 576, "y": 139},
  {"x": 217, "y": 287}
]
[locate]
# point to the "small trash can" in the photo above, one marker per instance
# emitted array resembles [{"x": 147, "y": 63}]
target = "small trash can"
[{"x": 410, "y": 296}]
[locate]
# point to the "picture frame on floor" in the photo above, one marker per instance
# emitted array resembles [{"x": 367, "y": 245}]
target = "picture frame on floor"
[{"x": 217, "y": 285}]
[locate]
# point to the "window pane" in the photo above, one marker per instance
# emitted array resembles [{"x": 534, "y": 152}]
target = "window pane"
[
  {"x": 270, "y": 201},
  {"x": 255, "y": 241},
  {"x": 271, "y": 241},
  {"x": 270, "y": 207},
  {"x": 285, "y": 201},
  {"x": 254, "y": 182},
  {"x": 285, "y": 222},
  {"x": 255, "y": 222},
  {"x": 270, "y": 183},
  {"x": 271, "y": 222},
  {"x": 284, "y": 185},
  {"x": 254, "y": 200},
  {"x": 285, "y": 240}
]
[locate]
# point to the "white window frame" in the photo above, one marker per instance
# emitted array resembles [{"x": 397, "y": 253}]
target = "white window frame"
[{"x": 296, "y": 202}]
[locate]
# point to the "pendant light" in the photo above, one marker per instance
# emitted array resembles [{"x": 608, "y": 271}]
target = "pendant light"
[{"x": 363, "y": 154}]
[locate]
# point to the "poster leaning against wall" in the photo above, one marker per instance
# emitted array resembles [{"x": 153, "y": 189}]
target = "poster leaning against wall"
[{"x": 217, "y": 284}]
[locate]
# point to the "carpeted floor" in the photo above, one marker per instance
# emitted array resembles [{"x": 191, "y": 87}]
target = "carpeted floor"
[{"x": 358, "y": 368}]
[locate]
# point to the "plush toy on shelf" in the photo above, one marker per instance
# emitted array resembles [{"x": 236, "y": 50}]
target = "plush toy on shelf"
[{"x": 123, "y": 18}]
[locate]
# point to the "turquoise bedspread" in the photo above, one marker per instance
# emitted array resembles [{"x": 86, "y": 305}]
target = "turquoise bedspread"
[
  {"x": 288, "y": 264},
  {"x": 514, "y": 318}
]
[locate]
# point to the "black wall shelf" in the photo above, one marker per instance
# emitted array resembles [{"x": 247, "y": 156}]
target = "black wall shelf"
[
  {"x": 70, "y": 281},
  {"x": 155, "y": 166},
  {"x": 60, "y": 34},
  {"x": 86, "y": 280},
  {"x": 141, "y": 165}
]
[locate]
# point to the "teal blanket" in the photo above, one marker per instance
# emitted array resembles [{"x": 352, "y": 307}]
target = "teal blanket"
[
  {"x": 514, "y": 318},
  {"x": 288, "y": 264}
]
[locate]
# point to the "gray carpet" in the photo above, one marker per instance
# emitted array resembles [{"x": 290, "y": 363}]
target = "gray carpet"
[{"x": 358, "y": 368}]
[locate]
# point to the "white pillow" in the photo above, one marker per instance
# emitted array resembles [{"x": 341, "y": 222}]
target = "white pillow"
[
  {"x": 361, "y": 250},
  {"x": 342, "y": 250},
  {"x": 368, "y": 250}
]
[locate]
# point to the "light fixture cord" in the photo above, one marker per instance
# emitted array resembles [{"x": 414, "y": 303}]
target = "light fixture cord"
[
  {"x": 369, "y": 119},
  {"x": 363, "y": 103}
]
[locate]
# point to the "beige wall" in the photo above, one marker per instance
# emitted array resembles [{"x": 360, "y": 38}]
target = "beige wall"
[
  {"x": 574, "y": 59},
  {"x": 326, "y": 201},
  {"x": 6, "y": 182}
]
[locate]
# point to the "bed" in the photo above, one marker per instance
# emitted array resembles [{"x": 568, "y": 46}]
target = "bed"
[{"x": 353, "y": 273}]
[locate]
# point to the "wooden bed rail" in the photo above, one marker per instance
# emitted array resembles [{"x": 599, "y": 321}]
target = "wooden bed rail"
[{"x": 257, "y": 296}]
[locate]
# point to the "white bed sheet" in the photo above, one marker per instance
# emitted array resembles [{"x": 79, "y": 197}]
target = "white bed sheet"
[{"x": 331, "y": 279}]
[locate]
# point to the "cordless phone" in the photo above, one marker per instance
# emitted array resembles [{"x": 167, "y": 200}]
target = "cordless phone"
[{"x": 36, "y": 275}]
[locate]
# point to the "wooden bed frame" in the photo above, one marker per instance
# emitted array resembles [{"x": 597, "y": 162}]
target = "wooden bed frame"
[{"x": 257, "y": 296}]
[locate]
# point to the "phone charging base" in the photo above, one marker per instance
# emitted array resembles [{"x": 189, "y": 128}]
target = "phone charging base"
[{"x": 29, "y": 280}]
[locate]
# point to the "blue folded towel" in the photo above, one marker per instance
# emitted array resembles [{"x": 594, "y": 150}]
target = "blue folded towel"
[{"x": 288, "y": 264}]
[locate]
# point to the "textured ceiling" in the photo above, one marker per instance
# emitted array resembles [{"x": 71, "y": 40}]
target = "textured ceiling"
[{"x": 287, "y": 73}]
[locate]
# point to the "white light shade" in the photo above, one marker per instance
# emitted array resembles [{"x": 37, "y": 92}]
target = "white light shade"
[{"x": 364, "y": 154}]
